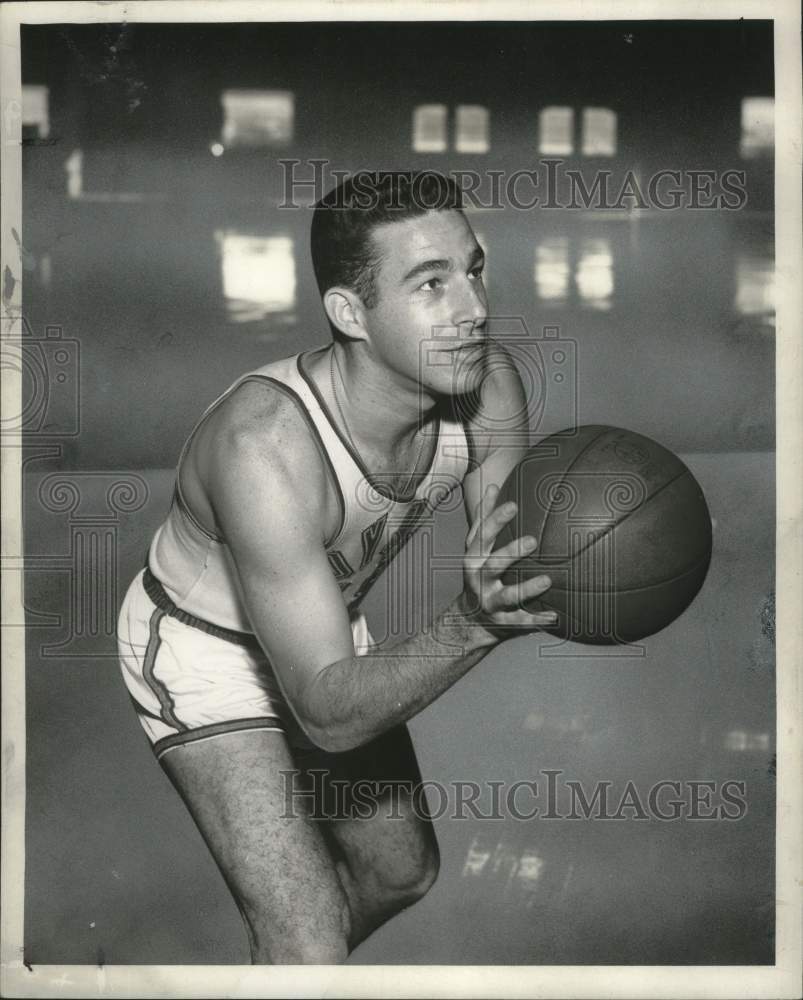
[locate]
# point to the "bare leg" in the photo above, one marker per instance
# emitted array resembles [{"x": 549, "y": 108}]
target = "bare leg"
[
  {"x": 309, "y": 889},
  {"x": 383, "y": 844},
  {"x": 279, "y": 869}
]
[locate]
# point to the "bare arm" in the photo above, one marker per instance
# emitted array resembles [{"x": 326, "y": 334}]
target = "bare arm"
[
  {"x": 356, "y": 698},
  {"x": 274, "y": 528}
]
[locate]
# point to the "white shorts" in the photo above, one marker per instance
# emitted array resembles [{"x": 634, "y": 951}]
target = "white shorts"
[{"x": 189, "y": 683}]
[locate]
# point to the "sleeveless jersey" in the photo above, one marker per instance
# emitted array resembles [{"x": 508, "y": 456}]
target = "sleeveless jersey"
[{"x": 195, "y": 565}]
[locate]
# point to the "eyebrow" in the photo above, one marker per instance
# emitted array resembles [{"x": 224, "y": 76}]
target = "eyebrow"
[{"x": 443, "y": 264}]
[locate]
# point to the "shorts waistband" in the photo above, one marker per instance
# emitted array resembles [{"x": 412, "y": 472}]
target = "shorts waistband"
[{"x": 157, "y": 593}]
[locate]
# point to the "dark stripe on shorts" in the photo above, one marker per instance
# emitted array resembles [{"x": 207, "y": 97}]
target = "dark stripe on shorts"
[
  {"x": 141, "y": 710},
  {"x": 159, "y": 689},
  {"x": 268, "y": 722},
  {"x": 157, "y": 593}
]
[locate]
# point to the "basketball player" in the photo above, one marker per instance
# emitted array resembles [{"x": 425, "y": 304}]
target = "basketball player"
[{"x": 242, "y": 643}]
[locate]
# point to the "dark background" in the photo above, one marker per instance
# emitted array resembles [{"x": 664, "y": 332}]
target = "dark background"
[{"x": 675, "y": 340}]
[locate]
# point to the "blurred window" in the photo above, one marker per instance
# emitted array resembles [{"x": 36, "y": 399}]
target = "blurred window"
[
  {"x": 472, "y": 129},
  {"x": 107, "y": 166},
  {"x": 758, "y": 126},
  {"x": 594, "y": 276},
  {"x": 35, "y": 110},
  {"x": 254, "y": 118},
  {"x": 552, "y": 268},
  {"x": 562, "y": 265},
  {"x": 429, "y": 128},
  {"x": 599, "y": 132},
  {"x": 74, "y": 168},
  {"x": 530, "y": 867},
  {"x": 259, "y": 275},
  {"x": 476, "y": 859},
  {"x": 755, "y": 283},
  {"x": 556, "y": 131},
  {"x": 741, "y": 740}
]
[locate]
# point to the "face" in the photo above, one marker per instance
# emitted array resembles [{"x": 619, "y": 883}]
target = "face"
[{"x": 428, "y": 323}]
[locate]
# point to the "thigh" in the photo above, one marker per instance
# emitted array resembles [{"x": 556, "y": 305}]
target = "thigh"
[{"x": 275, "y": 861}]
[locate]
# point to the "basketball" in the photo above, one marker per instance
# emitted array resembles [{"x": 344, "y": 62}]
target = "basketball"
[{"x": 623, "y": 532}]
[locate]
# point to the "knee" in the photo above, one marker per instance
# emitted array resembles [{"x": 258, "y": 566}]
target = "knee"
[
  {"x": 412, "y": 881},
  {"x": 428, "y": 869}
]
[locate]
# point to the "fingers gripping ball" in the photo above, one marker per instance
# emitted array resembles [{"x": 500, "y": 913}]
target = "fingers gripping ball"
[{"x": 623, "y": 532}]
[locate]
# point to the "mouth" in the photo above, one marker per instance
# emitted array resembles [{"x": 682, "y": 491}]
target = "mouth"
[
  {"x": 464, "y": 348},
  {"x": 464, "y": 361}
]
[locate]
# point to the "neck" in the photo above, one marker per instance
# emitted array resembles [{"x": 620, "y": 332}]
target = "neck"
[{"x": 383, "y": 408}]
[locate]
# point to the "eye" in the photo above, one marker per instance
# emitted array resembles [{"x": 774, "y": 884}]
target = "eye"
[
  {"x": 477, "y": 272},
  {"x": 431, "y": 284}
]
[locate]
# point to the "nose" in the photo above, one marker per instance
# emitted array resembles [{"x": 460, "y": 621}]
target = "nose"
[{"x": 471, "y": 312}]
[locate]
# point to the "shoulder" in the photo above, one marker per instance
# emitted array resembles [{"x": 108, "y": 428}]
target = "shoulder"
[{"x": 260, "y": 438}]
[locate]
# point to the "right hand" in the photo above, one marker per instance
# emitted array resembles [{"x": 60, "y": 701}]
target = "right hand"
[{"x": 490, "y": 603}]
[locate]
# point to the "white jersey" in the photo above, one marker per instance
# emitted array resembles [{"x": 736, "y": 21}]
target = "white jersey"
[{"x": 195, "y": 566}]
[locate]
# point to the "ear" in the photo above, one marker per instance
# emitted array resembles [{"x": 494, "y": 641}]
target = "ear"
[{"x": 346, "y": 311}]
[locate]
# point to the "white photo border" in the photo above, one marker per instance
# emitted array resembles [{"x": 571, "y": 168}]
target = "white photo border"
[{"x": 781, "y": 980}]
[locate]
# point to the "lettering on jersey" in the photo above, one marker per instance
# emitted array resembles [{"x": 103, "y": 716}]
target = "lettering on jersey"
[
  {"x": 407, "y": 528},
  {"x": 371, "y": 536},
  {"x": 341, "y": 567}
]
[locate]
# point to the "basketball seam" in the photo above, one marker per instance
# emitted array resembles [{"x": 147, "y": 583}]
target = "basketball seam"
[
  {"x": 577, "y": 624},
  {"x": 641, "y": 506},
  {"x": 633, "y": 590},
  {"x": 566, "y": 471}
]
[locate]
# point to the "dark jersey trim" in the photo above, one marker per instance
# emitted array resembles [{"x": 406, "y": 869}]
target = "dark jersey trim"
[
  {"x": 386, "y": 492},
  {"x": 316, "y": 437},
  {"x": 185, "y": 510},
  {"x": 299, "y": 403}
]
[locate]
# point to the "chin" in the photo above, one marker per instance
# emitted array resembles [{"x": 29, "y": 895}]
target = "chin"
[
  {"x": 460, "y": 383},
  {"x": 464, "y": 372}
]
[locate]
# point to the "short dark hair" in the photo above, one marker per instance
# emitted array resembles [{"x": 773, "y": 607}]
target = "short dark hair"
[{"x": 343, "y": 252}]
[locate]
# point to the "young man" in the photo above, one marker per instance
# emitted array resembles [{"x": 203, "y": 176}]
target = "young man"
[{"x": 242, "y": 643}]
